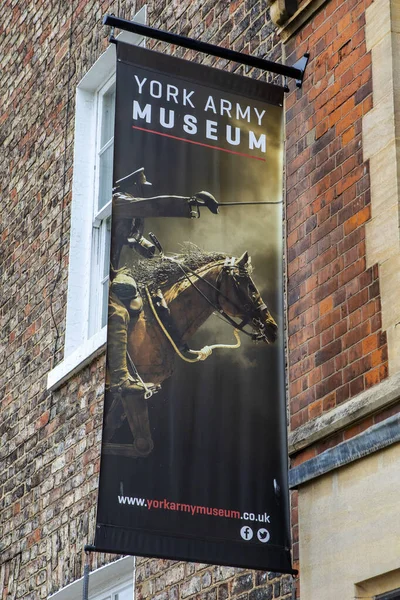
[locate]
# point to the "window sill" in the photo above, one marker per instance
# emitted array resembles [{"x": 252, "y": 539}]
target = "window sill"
[
  {"x": 100, "y": 579},
  {"x": 76, "y": 361},
  {"x": 372, "y": 400},
  {"x": 303, "y": 14}
]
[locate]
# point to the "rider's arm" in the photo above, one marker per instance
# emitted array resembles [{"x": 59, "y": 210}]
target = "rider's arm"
[{"x": 126, "y": 206}]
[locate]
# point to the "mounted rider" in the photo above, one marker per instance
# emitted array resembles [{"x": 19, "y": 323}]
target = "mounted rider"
[{"x": 125, "y": 302}]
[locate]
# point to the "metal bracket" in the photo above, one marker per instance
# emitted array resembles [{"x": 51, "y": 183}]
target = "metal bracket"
[
  {"x": 301, "y": 66},
  {"x": 296, "y": 72}
]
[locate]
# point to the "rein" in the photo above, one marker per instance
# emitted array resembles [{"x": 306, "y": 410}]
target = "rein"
[{"x": 201, "y": 354}]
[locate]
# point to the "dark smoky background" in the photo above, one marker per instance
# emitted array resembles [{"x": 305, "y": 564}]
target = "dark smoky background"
[{"x": 218, "y": 426}]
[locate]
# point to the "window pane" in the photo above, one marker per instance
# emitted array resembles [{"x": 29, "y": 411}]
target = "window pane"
[
  {"x": 107, "y": 116},
  {"x": 104, "y": 309},
  {"x": 107, "y": 243},
  {"x": 105, "y": 177},
  {"x": 125, "y": 594}
]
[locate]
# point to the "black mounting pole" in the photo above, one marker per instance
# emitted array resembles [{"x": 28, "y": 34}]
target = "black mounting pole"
[
  {"x": 86, "y": 572},
  {"x": 296, "y": 72}
]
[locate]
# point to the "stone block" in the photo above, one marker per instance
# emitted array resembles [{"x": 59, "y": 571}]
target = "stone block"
[
  {"x": 390, "y": 297},
  {"x": 382, "y": 68},
  {"x": 378, "y": 22},
  {"x": 382, "y": 239},
  {"x": 395, "y": 16},
  {"x": 393, "y": 340},
  {"x": 383, "y": 174},
  {"x": 378, "y": 127}
]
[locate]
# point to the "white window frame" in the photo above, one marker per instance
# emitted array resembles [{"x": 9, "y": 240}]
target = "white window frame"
[
  {"x": 99, "y": 223},
  {"x": 104, "y": 581},
  {"x": 82, "y": 341}
]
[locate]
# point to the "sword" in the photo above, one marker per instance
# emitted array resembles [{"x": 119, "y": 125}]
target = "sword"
[{"x": 245, "y": 203}]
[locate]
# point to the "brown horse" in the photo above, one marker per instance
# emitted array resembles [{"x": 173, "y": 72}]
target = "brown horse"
[
  {"x": 191, "y": 301},
  {"x": 193, "y": 286}
]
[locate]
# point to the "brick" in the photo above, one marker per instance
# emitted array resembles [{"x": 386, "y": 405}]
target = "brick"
[
  {"x": 315, "y": 409},
  {"x": 379, "y": 356},
  {"x": 342, "y": 394},
  {"x": 356, "y": 369},
  {"x": 357, "y": 429},
  {"x": 370, "y": 343},
  {"x": 328, "y": 385},
  {"x": 372, "y": 378},
  {"x": 326, "y": 289},
  {"x": 264, "y": 593},
  {"x": 298, "y": 419},
  {"x": 357, "y": 334},
  {"x": 314, "y": 345},
  {"x": 242, "y": 584},
  {"x": 352, "y": 271},
  {"x": 357, "y": 386},
  {"x": 357, "y": 220},
  {"x": 329, "y": 402},
  {"x": 327, "y": 321},
  {"x": 222, "y": 591}
]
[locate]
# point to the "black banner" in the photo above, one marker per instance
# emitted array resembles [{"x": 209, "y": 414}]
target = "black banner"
[{"x": 194, "y": 454}]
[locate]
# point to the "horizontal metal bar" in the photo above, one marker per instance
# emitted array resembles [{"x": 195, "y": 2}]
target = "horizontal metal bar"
[
  {"x": 180, "y": 40},
  {"x": 246, "y": 203}
]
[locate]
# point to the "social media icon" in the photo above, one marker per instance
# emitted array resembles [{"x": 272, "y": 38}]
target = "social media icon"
[
  {"x": 263, "y": 535},
  {"x": 247, "y": 533}
]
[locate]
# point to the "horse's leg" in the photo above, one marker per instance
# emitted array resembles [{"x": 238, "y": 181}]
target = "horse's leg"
[
  {"x": 114, "y": 417},
  {"x": 135, "y": 410},
  {"x": 137, "y": 414}
]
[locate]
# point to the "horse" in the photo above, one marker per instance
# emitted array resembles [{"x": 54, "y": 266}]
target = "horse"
[{"x": 191, "y": 287}]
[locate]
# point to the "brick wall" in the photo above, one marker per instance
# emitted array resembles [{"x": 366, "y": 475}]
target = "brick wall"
[
  {"x": 49, "y": 450},
  {"x": 337, "y": 347},
  {"x": 241, "y": 25},
  {"x": 169, "y": 580}
]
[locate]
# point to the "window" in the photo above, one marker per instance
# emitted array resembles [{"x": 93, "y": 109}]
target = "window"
[
  {"x": 122, "y": 592},
  {"x": 111, "y": 582},
  {"x": 85, "y": 334},
  {"x": 101, "y": 235},
  {"x": 394, "y": 595}
]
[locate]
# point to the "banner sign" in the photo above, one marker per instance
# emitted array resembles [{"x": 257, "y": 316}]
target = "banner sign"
[{"x": 194, "y": 452}]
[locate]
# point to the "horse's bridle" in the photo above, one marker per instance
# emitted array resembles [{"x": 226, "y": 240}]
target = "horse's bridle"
[{"x": 252, "y": 313}]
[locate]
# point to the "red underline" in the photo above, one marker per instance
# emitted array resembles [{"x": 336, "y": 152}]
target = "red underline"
[{"x": 174, "y": 137}]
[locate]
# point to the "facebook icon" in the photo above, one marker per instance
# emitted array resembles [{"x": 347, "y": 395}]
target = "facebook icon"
[{"x": 247, "y": 533}]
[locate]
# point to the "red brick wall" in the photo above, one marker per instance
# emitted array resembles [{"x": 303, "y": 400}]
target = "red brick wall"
[{"x": 337, "y": 348}]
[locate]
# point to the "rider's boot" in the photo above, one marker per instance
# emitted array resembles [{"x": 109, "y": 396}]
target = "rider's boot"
[{"x": 121, "y": 381}]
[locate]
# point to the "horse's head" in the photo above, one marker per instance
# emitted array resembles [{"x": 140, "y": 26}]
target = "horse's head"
[{"x": 240, "y": 298}]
